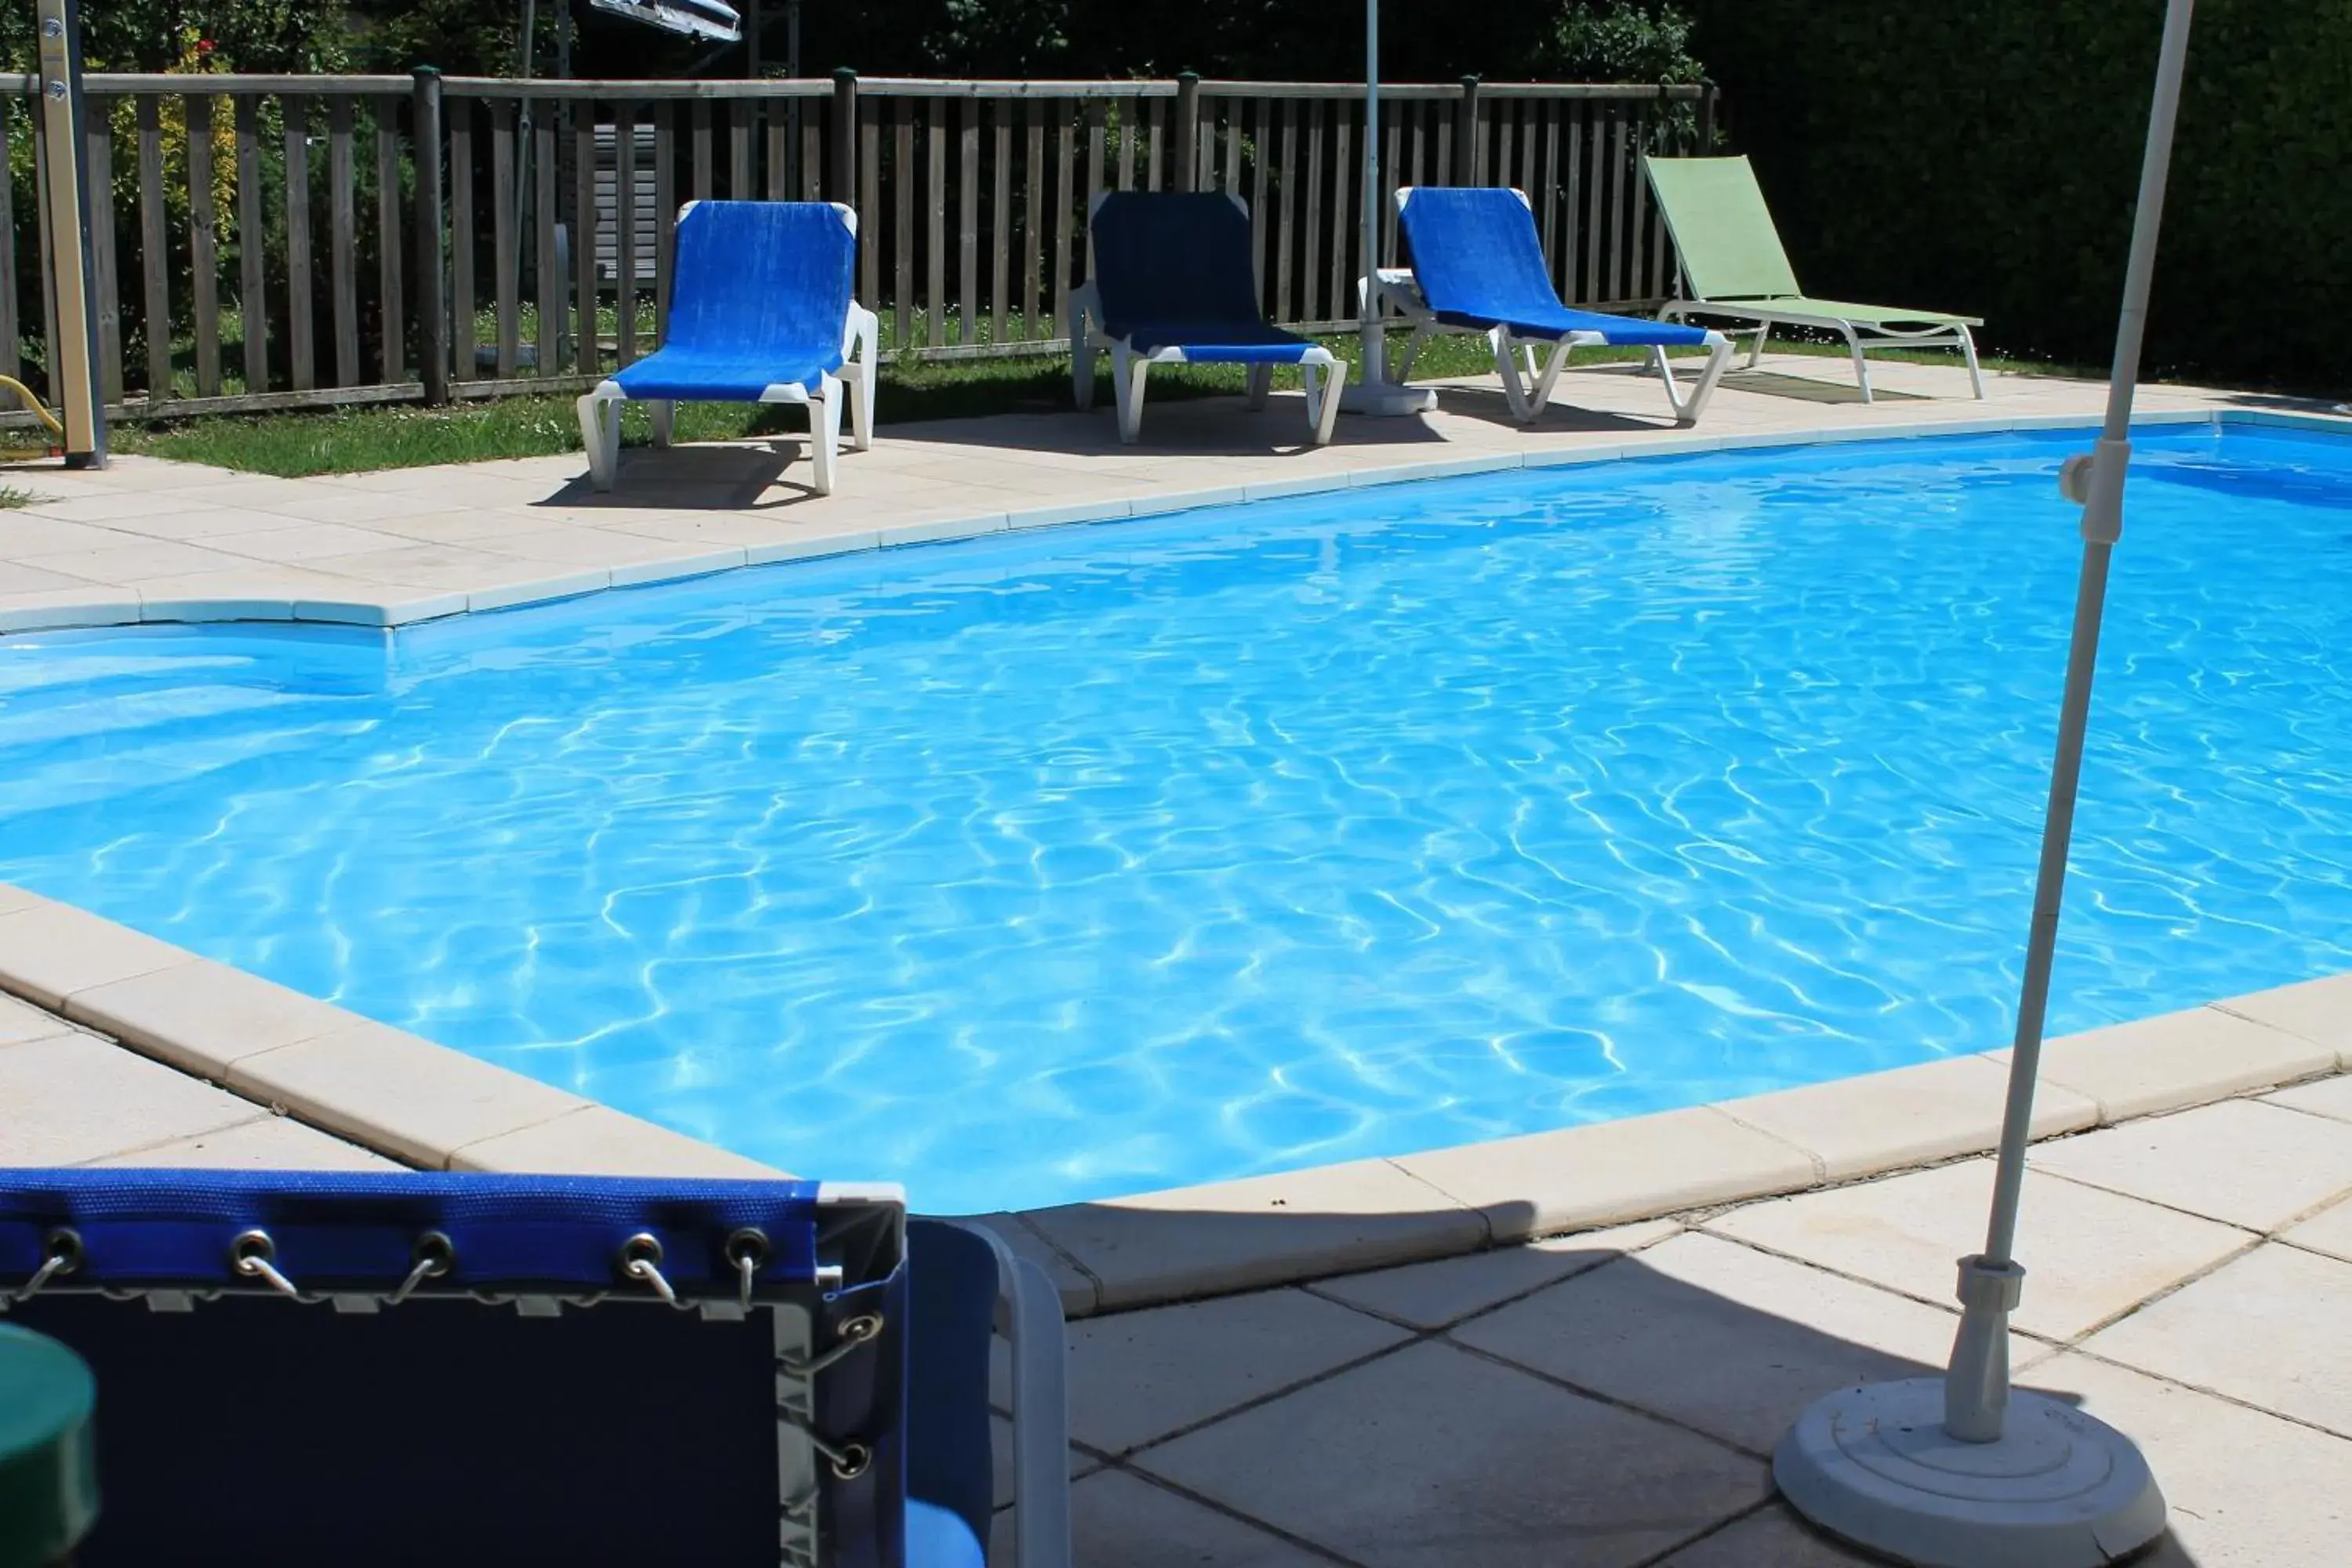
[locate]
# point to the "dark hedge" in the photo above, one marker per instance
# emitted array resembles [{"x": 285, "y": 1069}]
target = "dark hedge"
[{"x": 1983, "y": 155}]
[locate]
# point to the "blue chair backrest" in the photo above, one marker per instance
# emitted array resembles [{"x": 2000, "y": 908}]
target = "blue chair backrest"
[
  {"x": 1475, "y": 251},
  {"x": 757, "y": 279},
  {"x": 1172, "y": 256}
]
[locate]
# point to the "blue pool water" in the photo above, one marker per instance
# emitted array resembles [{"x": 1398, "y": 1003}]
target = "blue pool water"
[{"x": 1098, "y": 861}]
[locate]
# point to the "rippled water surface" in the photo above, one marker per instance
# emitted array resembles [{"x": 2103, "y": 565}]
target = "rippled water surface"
[{"x": 1098, "y": 861}]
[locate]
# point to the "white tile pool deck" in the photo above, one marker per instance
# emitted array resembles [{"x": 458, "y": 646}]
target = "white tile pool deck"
[{"x": 1593, "y": 1337}]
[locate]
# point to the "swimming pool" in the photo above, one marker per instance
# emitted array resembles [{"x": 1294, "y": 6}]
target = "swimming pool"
[{"x": 1095, "y": 860}]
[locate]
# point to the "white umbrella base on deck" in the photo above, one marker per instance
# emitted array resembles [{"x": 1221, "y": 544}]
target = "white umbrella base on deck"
[
  {"x": 2058, "y": 1490},
  {"x": 1385, "y": 398}
]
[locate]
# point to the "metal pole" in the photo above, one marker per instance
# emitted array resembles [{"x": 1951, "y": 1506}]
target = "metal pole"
[
  {"x": 1976, "y": 1388},
  {"x": 73, "y": 379},
  {"x": 1376, "y": 345}
]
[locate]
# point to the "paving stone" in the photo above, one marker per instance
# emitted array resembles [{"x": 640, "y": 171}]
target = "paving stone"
[
  {"x": 1135, "y": 1377},
  {"x": 1715, "y": 1335},
  {"x": 21, "y": 1021},
  {"x": 2267, "y": 1329},
  {"x": 2090, "y": 1256},
  {"x": 1265, "y": 1230},
  {"x": 2319, "y": 1010},
  {"x": 1432, "y": 1295},
  {"x": 2251, "y": 1164},
  {"x": 2176, "y": 1060},
  {"x": 393, "y": 1091},
  {"x": 2329, "y": 1231},
  {"x": 2245, "y": 1489},
  {"x": 1768, "y": 1538},
  {"x": 269, "y": 1142},
  {"x": 1433, "y": 1457},
  {"x": 77, "y": 1098},
  {"x": 2328, "y": 1096}
]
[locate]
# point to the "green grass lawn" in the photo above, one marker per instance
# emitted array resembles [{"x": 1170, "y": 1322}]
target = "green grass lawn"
[{"x": 394, "y": 436}]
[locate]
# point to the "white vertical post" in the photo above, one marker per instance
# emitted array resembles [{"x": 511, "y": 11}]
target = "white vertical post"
[{"x": 73, "y": 379}]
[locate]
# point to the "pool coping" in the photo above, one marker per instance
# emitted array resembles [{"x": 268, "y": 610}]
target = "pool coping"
[
  {"x": 428, "y": 1105},
  {"x": 103, "y": 607}
]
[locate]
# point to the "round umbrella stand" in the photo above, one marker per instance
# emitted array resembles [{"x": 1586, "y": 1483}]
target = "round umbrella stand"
[{"x": 2057, "y": 1489}]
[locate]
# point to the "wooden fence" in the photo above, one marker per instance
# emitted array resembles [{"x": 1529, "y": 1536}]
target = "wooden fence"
[{"x": 266, "y": 242}]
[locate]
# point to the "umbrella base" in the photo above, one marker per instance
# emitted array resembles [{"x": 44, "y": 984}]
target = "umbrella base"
[
  {"x": 1874, "y": 1465},
  {"x": 1385, "y": 399}
]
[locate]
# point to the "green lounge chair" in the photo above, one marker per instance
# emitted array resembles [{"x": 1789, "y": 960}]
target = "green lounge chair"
[{"x": 1733, "y": 264}]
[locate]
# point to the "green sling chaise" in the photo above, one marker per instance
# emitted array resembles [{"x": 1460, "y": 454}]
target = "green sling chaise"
[{"x": 1733, "y": 266}]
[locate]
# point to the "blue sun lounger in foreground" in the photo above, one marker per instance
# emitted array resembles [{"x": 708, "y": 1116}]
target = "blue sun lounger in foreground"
[
  {"x": 759, "y": 312},
  {"x": 1479, "y": 266},
  {"x": 1171, "y": 281},
  {"x": 364, "y": 1370}
]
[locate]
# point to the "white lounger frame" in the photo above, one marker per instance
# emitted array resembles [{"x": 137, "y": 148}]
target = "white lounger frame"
[
  {"x": 1938, "y": 335},
  {"x": 1324, "y": 375},
  {"x": 1029, "y": 1319},
  {"x": 1530, "y": 394},
  {"x": 600, "y": 412}
]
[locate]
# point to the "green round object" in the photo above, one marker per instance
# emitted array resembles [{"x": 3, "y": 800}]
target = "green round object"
[{"x": 48, "y": 1457}]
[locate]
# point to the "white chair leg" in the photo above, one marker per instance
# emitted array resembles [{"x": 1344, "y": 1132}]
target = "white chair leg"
[
  {"x": 1540, "y": 398},
  {"x": 869, "y": 371},
  {"x": 1861, "y": 364},
  {"x": 1327, "y": 415},
  {"x": 1403, "y": 368},
  {"x": 1976, "y": 373},
  {"x": 1507, "y": 365},
  {"x": 825, "y": 431},
  {"x": 600, "y": 433},
  {"x": 664, "y": 415},
  {"x": 1261, "y": 383},
  {"x": 1688, "y": 406},
  {"x": 1128, "y": 371}
]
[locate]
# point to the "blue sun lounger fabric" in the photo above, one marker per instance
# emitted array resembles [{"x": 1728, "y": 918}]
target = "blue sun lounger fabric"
[
  {"x": 1478, "y": 265},
  {"x": 761, "y": 311},
  {"x": 1172, "y": 282},
  {"x": 370, "y": 1369}
]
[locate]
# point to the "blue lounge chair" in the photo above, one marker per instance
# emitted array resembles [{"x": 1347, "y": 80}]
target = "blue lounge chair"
[
  {"x": 1171, "y": 281},
  {"x": 759, "y": 312},
  {"x": 382, "y": 1369},
  {"x": 1479, "y": 266}
]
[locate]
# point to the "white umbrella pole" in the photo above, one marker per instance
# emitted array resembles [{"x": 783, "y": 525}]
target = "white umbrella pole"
[
  {"x": 1962, "y": 1469},
  {"x": 1376, "y": 341},
  {"x": 1371, "y": 392},
  {"x": 1978, "y": 1387}
]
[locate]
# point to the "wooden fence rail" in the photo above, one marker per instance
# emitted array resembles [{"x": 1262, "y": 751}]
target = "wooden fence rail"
[{"x": 276, "y": 241}]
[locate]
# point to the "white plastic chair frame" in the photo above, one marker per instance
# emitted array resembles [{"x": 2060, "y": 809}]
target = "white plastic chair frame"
[
  {"x": 1029, "y": 1319},
  {"x": 1938, "y": 335},
  {"x": 600, "y": 413},
  {"x": 1323, "y": 373},
  {"x": 1528, "y": 382}
]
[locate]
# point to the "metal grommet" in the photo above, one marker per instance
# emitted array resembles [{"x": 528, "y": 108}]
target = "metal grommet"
[
  {"x": 849, "y": 1461},
  {"x": 747, "y": 1249},
  {"x": 250, "y": 1254},
  {"x": 60, "y": 1255},
  {"x": 436, "y": 1255},
  {"x": 641, "y": 1257}
]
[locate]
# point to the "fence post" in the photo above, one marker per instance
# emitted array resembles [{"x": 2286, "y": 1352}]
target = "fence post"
[
  {"x": 842, "y": 177},
  {"x": 432, "y": 296},
  {"x": 1465, "y": 135},
  {"x": 1188, "y": 130},
  {"x": 1706, "y": 148}
]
